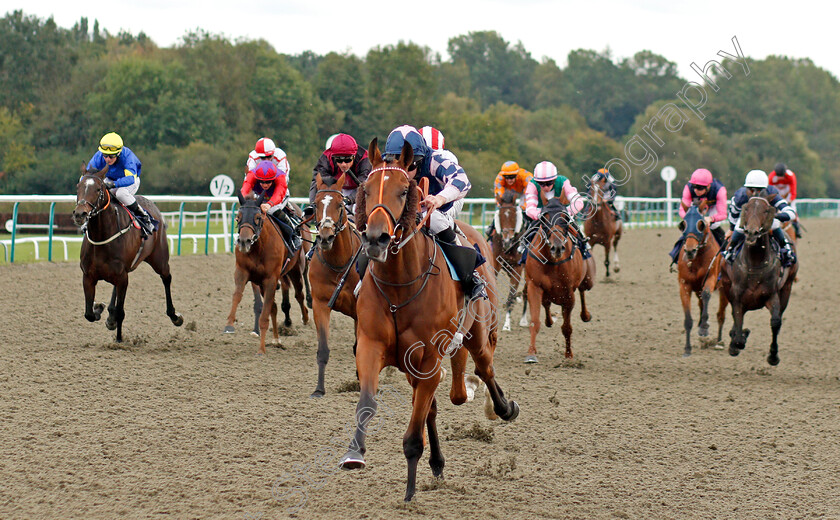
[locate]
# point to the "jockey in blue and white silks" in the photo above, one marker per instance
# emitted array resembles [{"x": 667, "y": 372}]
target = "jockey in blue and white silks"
[
  {"x": 123, "y": 177},
  {"x": 448, "y": 185},
  {"x": 755, "y": 182}
]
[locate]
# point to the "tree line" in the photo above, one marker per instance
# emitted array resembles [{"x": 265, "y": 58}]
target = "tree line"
[{"x": 194, "y": 110}]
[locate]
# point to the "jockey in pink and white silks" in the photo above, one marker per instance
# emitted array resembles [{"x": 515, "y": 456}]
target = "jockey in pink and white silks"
[{"x": 546, "y": 185}]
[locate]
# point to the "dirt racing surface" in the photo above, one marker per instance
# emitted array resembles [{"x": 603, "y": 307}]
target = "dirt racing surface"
[{"x": 190, "y": 423}]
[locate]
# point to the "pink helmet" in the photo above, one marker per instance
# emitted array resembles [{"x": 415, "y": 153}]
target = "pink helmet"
[
  {"x": 265, "y": 147},
  {"x": 701, "y": 177},
  {"x": 433, "y": 137},
  {"x": 545, "y": 171},
  {"x": 266, "y": 171}
]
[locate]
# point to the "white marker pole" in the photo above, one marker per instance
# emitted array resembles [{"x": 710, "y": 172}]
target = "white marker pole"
[{"x": 668, "y": 174}]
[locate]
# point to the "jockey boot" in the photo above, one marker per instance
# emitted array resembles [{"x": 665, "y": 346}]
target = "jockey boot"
[
  {"x": 785, "y": 251},
  {"x": 464, "y": 261},
  {"x": 675, "y": 252},
  {"x": 582, "y": 239},
  {"x": 797, "y": 229},
  {"x": 734, "y": 241},
  {"x": 488, "y": 231},
  {"x": 720, "y": 235},
  {"x": 312, "y": 249},
  {"x": 143, "y": 218},
  {"x": 289, "y": 234}
]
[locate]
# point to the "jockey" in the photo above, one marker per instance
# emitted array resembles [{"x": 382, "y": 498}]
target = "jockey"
[
  {"x": 703, "y": 187},
  {"x": 434, "y": 140},
  {"x": 342, "y": 155},
  {"x": 755, "y": 182},
  {"x": 609, "y": 191},
  {"x": 511, "y": 178},
  {"x": 784, "y": 180},
  {"x": 123, "y": 177},
  {"x": 265, "y": 150},
  {"x": 544, "y": 186},
  {"x": 268, "y": 180},
  {"x": 448, "y": 185}
]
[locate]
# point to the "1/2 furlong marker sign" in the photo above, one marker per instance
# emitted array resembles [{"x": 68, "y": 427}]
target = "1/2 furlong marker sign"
[{"x": 221, "y": 186}]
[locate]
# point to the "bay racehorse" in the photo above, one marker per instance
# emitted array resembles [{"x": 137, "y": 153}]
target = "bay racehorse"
[
  {"x": 554, "y": 270},
  {"x": 263, "y": 258},
  {"x": 508, "y": 230},
  {"x": 602, "y": 227},
  {"x": 756, "y": 278},
  {"x": 332, "y": 265},
  {"x": 412, "y": 314},
  {"x": 698, "y": 267},
  {"x": 114, "y": 246}
]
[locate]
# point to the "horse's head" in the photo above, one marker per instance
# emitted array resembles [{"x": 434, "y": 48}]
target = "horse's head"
[
  {"x": 596, "y": 189},
  {"x": 249, "y": 221},
  {"x": 695, "y": 230},
  {"x": 91, "y": 195},
  {"x": 387, "y": 202},
  {"x": 757, "y": 217},
  {"x": 509, "y": 222},
  {"x": 554, "y": 224},
  {"x": 328, "y": 210}
]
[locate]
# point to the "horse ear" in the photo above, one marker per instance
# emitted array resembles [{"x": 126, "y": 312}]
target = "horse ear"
[
  {"x": 240, "y": 197},
  {"x": 339, "y": 181},
  {"x": 373, "y": 152},
  {"x": 101, "y": 173},
  {"x": 682, "y": 225},
  {"x": 406, "y": 155},
  {"x": 84, "y": 168},
  {"x": 261, "y": 199},
  {"x": 319, "y": 181}
]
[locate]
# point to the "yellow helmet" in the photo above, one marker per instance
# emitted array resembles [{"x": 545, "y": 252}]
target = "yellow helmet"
[
  {"x": 111, "y": 144},
  {"x": 510, "y": 168}
]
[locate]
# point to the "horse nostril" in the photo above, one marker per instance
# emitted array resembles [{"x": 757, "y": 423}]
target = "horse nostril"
[{"x": 383, "y": 239}]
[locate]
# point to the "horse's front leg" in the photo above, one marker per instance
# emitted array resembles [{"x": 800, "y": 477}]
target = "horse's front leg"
[
  {"x": 703, "y": 327},
  {"x": 269, "y": 287},
  {"x": 607, "y": 256},
  {"x": 297, "y": 282},
  {"x": 567, "y": 307},
  {"x": 424, "y": 393},
  {"x": 111, "y": 322},
  {"x": 240, "y": 276},
  {"x": 370, "y": 359},
  {"x": 685, "y": 299},
  {"x": 738, "y": 335},
  {"x": 258, "y": 304},
  {"x": 285, "y": 306},
  {"x": 775, "y": 326},
  {"x": 120, "y": 288},
  {"x": 535, "y": 295},
  {"x": 723, "y": 301},
  {"x": 93, "y": 311},
  {"x": 322, "y": 329}
]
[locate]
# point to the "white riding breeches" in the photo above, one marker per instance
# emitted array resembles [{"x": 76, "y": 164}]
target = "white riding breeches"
[
  {"x": 776, "y": 224},
  {"x": 126, "y": 193},
  {"x": 441, "y": 220}
]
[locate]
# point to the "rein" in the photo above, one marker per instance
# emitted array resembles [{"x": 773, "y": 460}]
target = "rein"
[
  {"x": 565, "y": 240},
  {"x": 392, "y": 221},
  {"x": 96, "y": 210},
  {"x": 425, "y": 276}
]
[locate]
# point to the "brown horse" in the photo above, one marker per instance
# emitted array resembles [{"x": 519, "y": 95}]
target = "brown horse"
[
  {"x": 114, "y": 246},
  {"x": 504, "y": 241},
  {"x": 756, "y": 277},
  {"x": 554, "y": 270},
  {"x": 602, "y": 227},
  {"x": 411, "y": 314},
  {"x": 335, "y": 251},
  {"x": 698, "y": 267},
  {"x": 262, "y": 258}
]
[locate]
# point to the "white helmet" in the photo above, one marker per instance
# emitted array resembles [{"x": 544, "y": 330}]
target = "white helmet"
[
  {"x": 756, "y": 179},
  {"x": 329, "y": 141},
  {"x": 545, "y": 171},
  {"x": 265, "y": 147},
  {"x": 433, "y": 137}
]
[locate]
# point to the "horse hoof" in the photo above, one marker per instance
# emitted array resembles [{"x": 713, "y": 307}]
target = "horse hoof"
[
  {"x": 523, "y": 322},
  {"x": 178, "y": 320},
  {"x": 703, "y": 332},
  {"x": 287, "y": 323},
  {"x": 317, "y": 394},
  {"x": 734, "y": 350},
  {"x": 687, "y": 353},
  {"x": 513, "y": 412},
  {"x": 585, "y": 317},
  {"x": 352, "y": 460},
  {"x": 254, "y": 333},
  {"x": 506, "y": 328},
  {"x": 471, "y": 383},
  {"x": 110, "y": 325},
  {"x": 530, "y": 359},
  {"x": 229, "y": 329},
  {"x": 773, "y": 360}
]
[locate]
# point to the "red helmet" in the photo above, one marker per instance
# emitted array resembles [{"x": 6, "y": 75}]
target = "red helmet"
[
  {"x": 266, "y": 171},
  {"x": 343, "y": 144},
  {"x": 701, "y": 177},
  {"x": 265, "y": 147},
  {"x": 433, "y": 137}
]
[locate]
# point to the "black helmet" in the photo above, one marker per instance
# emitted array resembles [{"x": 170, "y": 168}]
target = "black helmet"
[{"x": 780, "y": 168}]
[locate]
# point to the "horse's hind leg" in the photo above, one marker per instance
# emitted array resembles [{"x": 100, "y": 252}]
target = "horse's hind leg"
[
  {"x": 285, "y": 306},
  {"x": 306, "y": 282},
  {"x": 482, "y": 355},
  {"x": 775, "y": 326},
  {"x": 436, "y": 460},
  {"x": 721, "y": 315},
  {"x": 617, "y": 268},
  {"x": 93, "y": 310},
  {"x": 159, "y": 260},
  {"x": 298, "y": 283},
  {"x": 685, "y": 298},
  {"x": 111, "y": 322},
  {"x": 607, "y": 255},
  {"x": 585, "y": 316},
  {"x": 424, "y": 394},
  {"x": 120, "y": 288}
]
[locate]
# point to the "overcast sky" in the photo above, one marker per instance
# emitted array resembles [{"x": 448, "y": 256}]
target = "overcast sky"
[{"x": 683, "y": 32}]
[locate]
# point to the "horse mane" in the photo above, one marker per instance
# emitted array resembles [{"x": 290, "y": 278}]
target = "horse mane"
[
  {"x": 509, "y": 197},
  {"x": 361, "y": 211}
]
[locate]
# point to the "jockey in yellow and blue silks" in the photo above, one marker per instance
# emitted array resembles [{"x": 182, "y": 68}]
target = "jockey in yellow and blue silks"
[{"x": 123, "y": 177}]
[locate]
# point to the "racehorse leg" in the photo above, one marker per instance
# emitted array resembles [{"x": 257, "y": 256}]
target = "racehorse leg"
[
  {"x": 549, "y": 321},
  {"x": 297, "y": 282},
  {"x": 721, "y": 315},
  {"x": 738, "y": 335},
  {"x": 703, "y": 302},
  {"x": 607, "y": 255},
  {"x": 567, "y": 325},
  {"x": 258, "y": 304},
  {"x": 159, "y": 260},
  {"x": 111, "y": 322},
  {"x": 240, "y": 276},
  {"x": 585, "y": 316},
  {"x": 616, "y": 237},
  {"x": 436, "y": 460},
  {"x": 120, "y": 288},
  {"x": 458, "y": 362},
  {"x": 523, "y": 320},
  {"x": 370, "y": 359},
  {"x": 321, "y": 314},
  {"x": 269, "y": 287},
  {"x": 306, "y": 283},
  {"x": 535, "y": 295},
  {"x": 586, "y": 285},
  {"x": 275, "y": 329},
  {"x": 285, "y": 306},
  {"x": 775, "y": 325},
  {"x": 93, "y": 311},
  {"x": 424, "y": 394},
  {"x": 685, "y": 299}
]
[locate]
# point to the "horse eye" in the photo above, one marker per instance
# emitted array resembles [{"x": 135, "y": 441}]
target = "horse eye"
[{"x": 404, "y": 193}]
